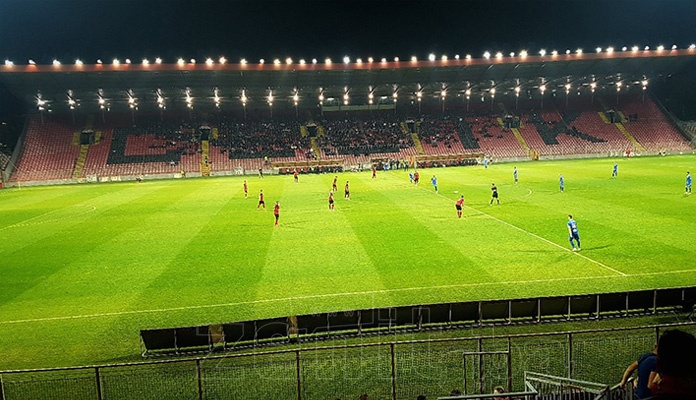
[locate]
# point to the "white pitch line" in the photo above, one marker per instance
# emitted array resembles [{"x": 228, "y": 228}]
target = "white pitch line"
[
  {"x": 535, "y": 235},
  {"x": 329, "y": 295}
]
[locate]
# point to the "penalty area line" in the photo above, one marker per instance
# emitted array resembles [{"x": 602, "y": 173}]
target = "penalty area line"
[{"x": 330, "y": 295}]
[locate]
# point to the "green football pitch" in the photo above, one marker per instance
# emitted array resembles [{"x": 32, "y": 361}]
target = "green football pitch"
[{"x": 84, "y": 267}]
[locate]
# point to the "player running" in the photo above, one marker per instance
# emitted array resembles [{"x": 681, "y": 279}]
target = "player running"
[
  {"x": 246, "y": 190},
  {"x": 346, "y": 191},
  {"x": 494, "y": 194},
  {"x": 615, "y": 171},
  {"x": 331, "y": 200},
  {"x": 276, "y": 212},
  {"x": 433, "y": 180},
  {"x": 687, "y": 186},
  {"x": 458, "y": 205},
  {"x": 416, "y": 177},
  {"x": 261, "y": 202},
  {"x": 334, "y": 188},
  {"x": 514, "y": 175},
  {"x": 561, "y": 182},
  {"x": 410, "y": 176},
  {"x": 573, "y": 233}
]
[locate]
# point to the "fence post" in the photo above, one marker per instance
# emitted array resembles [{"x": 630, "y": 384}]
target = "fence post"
[
  {"x": 570, "y": 355},
  {"x": 299, "y": 378},
  {"x": 2, "y": 389},
  {"x": 200, "y": 380},
  {"x": 509, "y": 364},
  {"x": 480, "y": 366},
  {"x": 98, "y": 379},
  {"x": 393, "y": 371}
]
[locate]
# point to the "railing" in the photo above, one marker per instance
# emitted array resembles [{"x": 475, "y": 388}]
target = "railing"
[{"x": 391, "y": 370}]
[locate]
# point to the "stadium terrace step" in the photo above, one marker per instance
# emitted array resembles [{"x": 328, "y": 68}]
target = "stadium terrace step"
[
  {"x": 630, "y": 137},
  {"x": 80, "y": 163},
  {"x": 315, "y": 148},
  {"x": 417, "y": 143}
]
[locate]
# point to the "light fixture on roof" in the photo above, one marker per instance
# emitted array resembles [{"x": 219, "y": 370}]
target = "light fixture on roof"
[
  {"x": 288, "y": 60},
  {"x": 660, "y": 48},
  {"x": 567, "y": 51},
  {"x": 158, "y": 60},
  {"x": 487, "y": 55},
  {"x": 346, "y": 59},
  {"x": 8, "y": 63},
  {"x": 610, "y": 50},
  {"x": 646, "y": 48},
  {"x": 692, "y": 46},
  {"x": 276, "y": 62},
  {"x": 116, "y": 62},
  {"x": 444, "y": 57},
  {"x": 192, "y": 61},
  {"x": 314, "y": 61},
  {"x": 396, "y": 59},
  {"x": 499, "y": 55},
  {"x": 327, "y": 61},
  {"x": 128, "y": 61},
  {"x": 554, "y": 53},
  {"x": 32, "y": 62},
  {"x": 180, "y": 61},
  {"x": 370, "y": 59},
  {"x": 222, "y": 60},
  {"x": 78, "y": 62},
  {"x": 208, "y": 61},
  {"x": 99, "y": 61},
  {"x": 598, "y": 49},
  {"x": 243, "y": 61},
  {"x": 414, "y": 59},
  {"x": 634, "y": 48},
  {"x": 431, "y": 57},
  {"x": 468, "y": 56},
  {"x": 578, "y": 51},
  {"x": 262, "y": 61},
  {"x": 542, "y": 52},
  {"x": 359, "y": 61},
  {"x": 302, "y": 61},
  {"x": 674, "y": 47},
  {"x": 146, "y": 61},
  {"x": 456, "y": 56},
  {"x": 624, "y": 48},
  {"x": 56, "y": 63},
  {"x": 383, "y": 60}
]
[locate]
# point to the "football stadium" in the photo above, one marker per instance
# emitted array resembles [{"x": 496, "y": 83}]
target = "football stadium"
[{"x": 507, "y": 225}]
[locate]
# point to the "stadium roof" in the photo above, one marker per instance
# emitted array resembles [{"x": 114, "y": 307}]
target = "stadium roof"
[{"x": 115, "y": 83}]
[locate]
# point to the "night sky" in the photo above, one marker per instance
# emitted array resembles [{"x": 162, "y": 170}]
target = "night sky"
[{"x": 67, "y": 29}]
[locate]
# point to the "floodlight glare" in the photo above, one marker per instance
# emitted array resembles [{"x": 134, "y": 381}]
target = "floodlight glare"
[
  {"x": 296, "y": 98},
  {"x": 493, "y": 91},
  {"x": 487, "y": 55},
  {"x": 8, "y": 63},
  {"x": 193, "y": 61},
  {"x": 116, "y": 62},
  {"x": 32, "y": 62},
  {"x": 692, "y": 46},
  {"x": 395, "y": 95},
  {"x": 78, "y": 62},
  {"x": 498, "y": 55},
  {"x": 567, "y": 51},
  {"x": 359, "y": 61},
  {"x": 414, "y": 59},
  {"x": 578, "y": 51},
  {"x": 468, "y": 92},
  {"x": 158, "y": 60},
  {"x": 444, "y": 57},
  {"x": 56, "y": 63},
  {"x": 209, "y": 61},
  {"x": 456, "y": 56},
  {"x": 180, "y": 61},
  {"x": 327, "y": 61},
  {"x": 222, "y": 60},
  {"x": 370, "y": 59},
  {"x": 276, "y": 62},
  {"x": 542, "y": 88},
  {"x": 146, "y": 61},
  {"x": 262, "y": 61},
  {"x": 624, "y": 48},
  {"x": 243, "y": 61},
  {"x": 302, "y": 61},
  {"x": 598, "y": 49},
  {"x": 554, "y": 53},
  {"x": 660, "y": 48},
  {"x": 634, "y": 48},
  {"x": 128, "y": 61},
  {"x": 346, "y": 59},
  {"x": 288, "y": 60},
  {"x": 383, "y": 60},
  {"x": 542, "y": 52},
  {"x": 647, "y": 48},
  {"x": 314, "y": 60},
  {"x": 431, "y": 57},
  {"x": 674, "y": 47},
  {"x": 517, "y": 90},
  {"x": 99, "y": 61},
  {"x": 610, "y": 50},
  {"x": 468, "y": 56}
]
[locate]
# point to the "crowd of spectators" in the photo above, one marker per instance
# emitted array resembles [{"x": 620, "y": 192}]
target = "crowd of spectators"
[
  {"x": 261, "y": 139},
  {"x": 363, "y": 137},
  {"x": 437, "y": 131}
]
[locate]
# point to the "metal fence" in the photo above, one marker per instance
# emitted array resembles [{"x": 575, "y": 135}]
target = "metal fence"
[{"x": 393, "y": 370}]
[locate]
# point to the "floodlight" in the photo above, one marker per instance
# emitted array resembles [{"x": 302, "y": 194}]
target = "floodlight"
[
  {"x": 567, "y": 51},
  {"x": 598, "y": 49},
  {"x": 647, "y": 48},
  {"x": 542, "y": 52},
  {"x": 443, "y": 93},
  {"x": 692, "y": 46},
  {"x": 78, "y": 62},
  {"x": 396, "y": 59},
  {"x": 487, "y": 55},
  {"x": 180, "y": 61},
  {"x": 128, "y": 61},
  {"x": 395, "y": 95},
  {"x": 359, "y": 61},
  {"x": 288, "y": 60},
  {"x": 456, "y": 56},
  {"x": 444, "y": 57},
  {"x": 660, "y": 48},
  {"x": 146, "y": 61},
  {"x": 262, "y": 61},
  {"x": 346, "y": 59},
  {"x": 517, "y": 90},
  {"x": 431, "y": 57},
  {"x": 370, "y": 96},
  {"x": 302, "y": 61},
  {"x": 56, "y": 63},
  {"x": 468, "y": 92},
  {"x": 542, "y": 88},
  {"x": 414, "y": 59},
  {"x": 32, "y": 62},
  {"x": 158, "y": 60},
  {"x": 624, "y": 48},
  {"x": 314, "y": 60},
  {"x": 321, "y": 96},
  {"x": 370, "y": 59},
  {"x": 554, "y": 53},
  {"x": 209, "y": 61},
  {"x": 610, "y": 50},
  {"x": 243, "y": 61},
  {"x": 99, "y": 61},
  {"x": 578, "y": 51},
  {"x": 116, "y": 62},
  {"x": 674, "y": 47},
  {"x": 634, "y": 48},
  {"x": 222, "y": 60},
  {"x": 193, "y": 61},
  {"x": 327, "y": 61},
  {"x": 493, "y": 91},
  {"x": 384, "y": 60},
  {"x": 295, "y": 97},
  {"x": 468, "y": 56},
  {"x": 498, "y": 55},
  {"x": 276, "y": 62}
]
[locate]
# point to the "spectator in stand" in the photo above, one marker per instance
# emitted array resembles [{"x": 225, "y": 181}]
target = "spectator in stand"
[
  {"x": 645, "y": 365},
  {"x": 675, "y": 377},
  {"x": 500, "y": 390}
]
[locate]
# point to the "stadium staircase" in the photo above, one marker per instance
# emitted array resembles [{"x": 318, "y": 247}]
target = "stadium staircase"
[
  {"x": 518, "y": 136},
  {"x": 84, "y": 148},
  {"x": 214, "y": 133},
  {"x": 205, "y": 153},
  {"x": 628, "y": 136},
  {"x": 315, "y": 147},
  {"x": 303, "y": 131}
]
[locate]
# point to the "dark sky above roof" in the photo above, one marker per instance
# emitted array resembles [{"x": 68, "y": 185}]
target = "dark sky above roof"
[{"x": 89, "y": 29}]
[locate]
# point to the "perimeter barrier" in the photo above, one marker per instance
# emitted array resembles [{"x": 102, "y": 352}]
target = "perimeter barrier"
[{"x": 384, "y": 370}]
